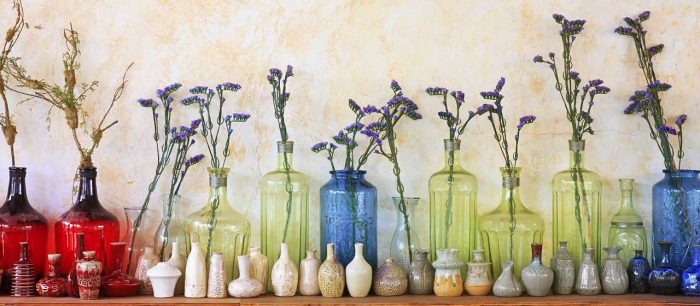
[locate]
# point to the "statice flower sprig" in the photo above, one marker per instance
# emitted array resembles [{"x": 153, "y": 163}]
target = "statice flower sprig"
[
  {"x": 280, "y": 96},
  {"x": 455, "y": 123},
  {"x": 329, "y": 148}
]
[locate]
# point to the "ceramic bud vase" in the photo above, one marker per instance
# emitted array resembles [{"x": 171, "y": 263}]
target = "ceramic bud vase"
[
  {"x": 23, "y": 273},
  {"x": 614, "y": 275},
  {"x": 588, "y": 279},
  {"x": 245, "y": 286},
  {"x": 259, "y": 267},
  {"x": 164, "y": 277},
  {"x": 562, "y": 264},
  {"x": 331, "y": 275},
  {"x": 690, "y": 282},
  {"x": 89, "y": 273},
  {"x": 478, "y": 280},
  {"x": 216, "y": 286},
  {"x": 507, "y": 285},
  {"x": 284, "y": 276},
  {"x": 421, "y": 275},
  {"x": 448, "y": 278},
  {"x": 147, "y": 260},
  {"x": 52, "y": 285},
  {"x": 195, "y": 273},
  {"x": 537, "y": 278},
  {"x": 638, "y": 270},
  {"x": 390, "y": 280},
  {"x": 358, "y": 274},
  {"x": 308, "y": 274},
  {"x": 177, "y": 260},
  {"x": 664, "y": 279}
]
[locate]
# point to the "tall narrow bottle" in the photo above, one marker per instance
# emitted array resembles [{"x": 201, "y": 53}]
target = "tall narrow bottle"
[{"x": 626, "y": 227}]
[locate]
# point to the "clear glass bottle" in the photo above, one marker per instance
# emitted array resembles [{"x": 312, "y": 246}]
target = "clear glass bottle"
[
  {"x": 626, "y": 227},
  {"x": 452, "y": 205},
  {"x": 505, "y": 238},
  {"x": 171, "y": 228},
  {"x": 577, "y": 221},
  {"x": 284, "y": 193},
  {"x": 227, "y": 231},
  {"x": 401, "y": 246},
  {"x": 137, "y": 236}
]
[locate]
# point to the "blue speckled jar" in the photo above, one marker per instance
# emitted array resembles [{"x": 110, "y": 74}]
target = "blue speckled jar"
[{"x": 638, "y": 270}]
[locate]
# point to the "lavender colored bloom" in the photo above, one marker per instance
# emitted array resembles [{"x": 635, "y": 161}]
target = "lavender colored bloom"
[
  {"x": 436, "y": 91},
  {"x": 194, "y": 160},
  {"x": 500, "y": 84},
  {"x": 319, "y": 146},
  {"x": 148, "y": 103},
  {"x": 491, "y": 95},
  {"x": 681, "y": 119},
  {"x": 574, "y": 76},
  {"x": 289, "y": 72},
  {"x": 558, "y": 17},
  {"x": 538, "y": 59},
  {"x": 667, "y": 129},
  {"x": 601, "y": 90},
  {"x": 370, "y": 109},
  {"x": 376, "y": 126},
  {"x": 238, "y": 117},
  {"x": 355, "y": 107},
  {"x": 653, "y": 50},
  {"x": 459, "y": 97},
  {"x": 200, "y": 90},
  {"x": 271, "y": 79},
  {"x": 632, "y": 108},
  {"x": 484, "y": 108},
  {"x": 624, "y": 30},
  {"x": 595, "y": 82},
  {"x": 395, "y": 86},
  {"x": 631, "y": 22},
  {"x": 644, "y": 16},
  {"x": 164, "y": 93},
  {"x": 658, "y": 86},
  {"x": 342, "y": 138},
  {"x": 354, "y": 127},
  {"x": 525, "y": 120},
  {"x": 275, "y": 73},
  {"x": 400, "y": 100},
  {"x": 572, "y": 27},
  {"x": 448, "y": 116},
  {"x": 228, "y": 86},
  {"x": 195, "y": 124},
  {"x": 193, "y": 100},
  {"x": 374, "y": 136}
]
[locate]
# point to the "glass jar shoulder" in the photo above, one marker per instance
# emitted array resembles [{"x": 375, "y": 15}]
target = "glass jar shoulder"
[
  {"x": 278, "y": 179},
  {"x": 461, "y": 179},
  {"x": 500, "y": 219},
  {"x": 566, "y": 179},
  {"x": 227, "y": 219}
]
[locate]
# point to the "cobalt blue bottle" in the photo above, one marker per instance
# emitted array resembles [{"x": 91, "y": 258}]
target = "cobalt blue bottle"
[
  {"x": 638, "y": 270},
  {"x": 690, "y": 283},
  {"x": 664, "y": 279}
]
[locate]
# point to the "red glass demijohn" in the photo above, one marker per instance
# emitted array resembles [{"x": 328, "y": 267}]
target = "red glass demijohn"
[
  {"x": 87, "y": 216},
  {"x": 20, "y": 222},
  {"x": 119, "y": 283}
]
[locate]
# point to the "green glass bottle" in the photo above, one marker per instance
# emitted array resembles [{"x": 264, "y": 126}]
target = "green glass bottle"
[
  {"x": 227, "y": 231},
  {"x": 576, "y": 194},
  {"x": 452, "y": 205},
  {"x": 284, "y": 193},
  {"x": 626, "y": 227},
  {"x": 509, "y": 238}
]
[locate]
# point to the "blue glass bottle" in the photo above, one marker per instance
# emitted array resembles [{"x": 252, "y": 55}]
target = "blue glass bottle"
[
  {"x": 690, "y": 283},
  {"x": 349, "y": 215},
  {"x": 676, "y": 203},
  {"x": 638, "y": 270},
  {"x": 664, "y": 279}
]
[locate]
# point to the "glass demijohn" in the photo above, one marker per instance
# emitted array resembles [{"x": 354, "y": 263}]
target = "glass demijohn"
[{"x": 626, "y": 227}]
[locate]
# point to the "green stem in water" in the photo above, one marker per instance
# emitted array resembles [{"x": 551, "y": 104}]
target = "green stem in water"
[
  {"x": 289, "y": 189},
  {"x": 449, "y": 203}
]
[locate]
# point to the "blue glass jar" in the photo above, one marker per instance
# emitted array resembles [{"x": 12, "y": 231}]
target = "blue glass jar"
[
  {"x": 638, "y": 270},
  {"x": 349, "y": 215},
  {"x": 664, "y": 279},
  {"x": 690, "y": 280},
  {"x": 676, "y": 203}
]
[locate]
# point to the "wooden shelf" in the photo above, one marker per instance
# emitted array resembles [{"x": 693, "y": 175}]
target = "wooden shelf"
[{"x": 627, "y": 299}]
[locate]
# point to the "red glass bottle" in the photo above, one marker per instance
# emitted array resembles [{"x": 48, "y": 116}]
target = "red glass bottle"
[
  {"x": 87, "y": 216},
  {"x": 23, "y": 274},
  {"x": 119, "y": 283},
  {"x": 72, "y": 276},
  {"x": 53, "y": 284},
  {"x": 20, "y": 222}
]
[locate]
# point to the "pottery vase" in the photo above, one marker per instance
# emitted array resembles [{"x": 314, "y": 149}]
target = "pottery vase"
[
  {"x": 390, "y": 280},
  {"x": 216, "y": 286},
  {"x": 478, "y": 280},
  {"x": 588, "y": 279},
  {"x": 664, "y": 279},
  {"x": 421, "y": 274},
  {"x": 245, "y": 286},
  {"x": 284, "y": 276},
  {"x": 23, "y": 274},
  {"x": 89, "y": 274},
  {"x": 537, "y": 278},
  {"x": 308, "y": 274},
  {"x": 507, "y": 285},
  {"x": 195, "y": 273},
  {"x": 638, "y": 270},
  {"x": 164, "y": 277},
  {"x": 562, "y": 264},
  {"x": 614, "y": 275},
  {"x": 358, "y": 274},
  {"x": 259, "y": 267},
  {"x": 448, "y": 277},
  {"x": 147, "y": 260},
  {"x": 331, "y": 275},
  {"x": 52, "y": 285},
  {"x": 177, "y": 260}
]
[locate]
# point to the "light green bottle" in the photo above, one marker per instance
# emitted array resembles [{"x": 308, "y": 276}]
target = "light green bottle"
[{"x": 626, "y": 227}]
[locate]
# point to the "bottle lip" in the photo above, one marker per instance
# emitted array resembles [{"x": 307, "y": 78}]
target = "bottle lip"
[
  {"x": 577, "y": 146},
  {"x": 681, "y": 171},
  {"x": 90, "y": 172},
  {"x": 285, "y": 146},
  {"x": 348, "y": 172}
]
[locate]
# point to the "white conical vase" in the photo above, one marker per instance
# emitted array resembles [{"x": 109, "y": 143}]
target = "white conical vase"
[
  {"x": 196, "y": 273},
  {"x": 284, "y": 276},
  {"x": 358, "y": 274}
]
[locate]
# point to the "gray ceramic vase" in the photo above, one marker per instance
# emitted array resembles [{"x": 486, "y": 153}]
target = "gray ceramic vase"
[
  {"x": 614, "y": 277},
  {"x": 537, "y": 278},
  {"x": 507, "y": 285},
  {"x": 562, "y": 265},
  {"x": 588, "y": 280},
  {"x": 421, "y": 275}
]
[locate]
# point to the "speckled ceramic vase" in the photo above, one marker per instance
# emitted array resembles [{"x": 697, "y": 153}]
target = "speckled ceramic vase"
[
  {"x": 308, "y": 274},
  {"x": 588, "y": 279},
  {"x": 421, "y": 275},
  {"x": 358, "y": 274},
  {"x": 390, "y": 280},
  {"x": 331, "y": 275},
  {"x": 448, "y": 277},
  {"x": 284, "y": 275},
  {"x": 147, "y": 261},
  {"x": 216, "y": 284},
  {"x": 259, "y": 267},
  {"x": 478, "y": 280},
  {"x": 507, "y": 285},
  {"x": 244, "y": 286},
  {"x": 562, "y": 264},
  {"x": 537, "y": 278},
  {"x": 614, "y": 276}
]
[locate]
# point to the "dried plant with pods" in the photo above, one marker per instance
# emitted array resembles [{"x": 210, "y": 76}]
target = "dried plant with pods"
[{"x": 11, "y": 37}]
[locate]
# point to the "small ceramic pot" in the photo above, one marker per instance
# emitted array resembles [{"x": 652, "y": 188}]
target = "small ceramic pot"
[
  {"x": 89, "y": 272},
  {"x": 331, "y": 275},
  {"x": 216, "y": 286},
  {"x": 537, "y": 278},
  {"x": 163, "y": 278},
  {"x": 358, "y": 274},
  {"x": 507, "y": 285},
  {"x": 284, "y": 276},
  {"x": 52, "y": 285},
  {"x": 588, "y": 279},
  {"x": 147, "y": 261},
  {"x": 308, "y": 274},
  {"x": 564, "y": 269},
  {"x": 479, "y": 280},
  {"x": 448, "y": 277},
  {"x": 195, "y": 273},
  {"x": 244, "y": 286},
  {"x": 259, "y": 267},
  {"x": 390, "y": 280},
  {"x": 421, "y": 274},
  {"x": 614, "y": 276}
]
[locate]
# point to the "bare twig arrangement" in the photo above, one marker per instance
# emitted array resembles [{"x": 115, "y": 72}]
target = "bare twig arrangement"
[{"x": 11, "y": 37}]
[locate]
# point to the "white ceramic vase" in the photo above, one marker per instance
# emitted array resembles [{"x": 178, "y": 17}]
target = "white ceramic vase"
[
  {"x": 216, "y": 286},
  {"x": 244, "y": 286},
  {"x": 284, "y": 276},
  {"x": 164, "y": 278},
  {"x": 308, "y": 274},
  {"x": 195, "y": 273},
  {"x": 358, "y": 274},
  {"x": 177, "y": 260},
  {"x": 259, "y": 267},
  {"x": 507, "y": 285}
]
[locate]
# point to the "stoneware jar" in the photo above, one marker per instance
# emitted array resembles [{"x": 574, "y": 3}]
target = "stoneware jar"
[
  {"x": 562, "y": 264},
  {"x": 638, "y": 270},
  {"x": 216, "y": 285},
  {"x": 308, "y": 274},
  {"x": 259, "y": 267},
  {"x": 89, "y": 272},
  {"x": 478, "y": 280},
  {"x": 331, "y": 275},
  {"x": 421, "y": 274},
  {"x": 614, "y": 276},
  {"x": 53, "y": 284},
  {"x": 195, "y": 273},
  {"x": 537, "y": 278},
  {"x": 163, "y": 278},
  {"x": 448, "y": 278},
  {"x": 177, "y": 260},
  {"x": 284, "y": 276},
  {"x": 245, "y": 286},
  {"x": 147, "y": 260},
  {"x": 390, "y": 280},
  {"x": 588, "y": 279},
  {"x": 507, "y": 285},
  {"x": 358, "y": 274}
]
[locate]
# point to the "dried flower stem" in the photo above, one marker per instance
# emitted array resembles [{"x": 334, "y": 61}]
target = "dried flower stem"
[{"x": 11, "y": 37}]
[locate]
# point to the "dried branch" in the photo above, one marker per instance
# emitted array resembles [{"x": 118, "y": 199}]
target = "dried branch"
[{"x": 12, "y": 35}]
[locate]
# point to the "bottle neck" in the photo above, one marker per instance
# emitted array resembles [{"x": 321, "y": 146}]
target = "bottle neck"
[
  {"x": 626, "y": 203},
  {"x": 511, "y": 192},
  {"x": 80, "y": 246},
  {"x": 16, "y": 189},
  {"x": 281, "y": 161},
  {"x": 87, "y": 190},
  {"x": 577, "y": 156},
  {"x": 218, "y": 190},
  {"x": 171, "y": 207},
  {"x": 330, "y": 250},
  {"x": 23, "y": 253},
  {"x": 665, "y": 250},
  {"x": 452, "y": 158},
  {"x": 53, "y": 268}
]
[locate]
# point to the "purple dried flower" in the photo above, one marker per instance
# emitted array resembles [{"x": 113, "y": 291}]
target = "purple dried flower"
[
  {"x": 575, "y": 76},
  {"x": 491, "y": 95},
  {"x": 319, "y": 146},
  {"x": 681, "y": 119},
  {"x": 354, "y": 127},
  {"x": 200, "y": 90},
  {"x": 525, "y": 120},
  {"x": 164, "y": 94},
  {"x": 376, "y": 126},
  {"x": 484, "y": 108},
  {"x": 653, "y": 50},
  {"x": 644, "y": 16},
  {"x": 558, "y": 17},
  {"x": 448, "y": 116},
  {"x": 194, "y": 160},
  {"x": 374, "y": 136},
  {"x": 238, "y": 117},
  {"x": 228, "y": 86},
  {"x": 195, "y": 124},
  {"x": 499, "y": 85},
  {"x": 193, "y": 100},
  {"x": 459, "y": 97},
  {"x": 595, "y": 82},
  {"x": 148, "y": 103},
  {"x": 401, "y": 100},
  {"x": 395, "y": 86},
  {"x": 275, "y": 73},
  {"x": 631, "y": 22},
  {"x": 601, "y": 90},
  {"x": 289, "y": 72},
  {"x": 658, "y": 86},
  {"x": 624, "y": 30},
  {"x": 572, "y": 27},
  {"x": 355, "y": 107},
  {"x": 342, "y": 138},
  {"x": 667, "y": 129},
  {"x": 538, "y": 59},
  {"x": 370, "y": 109},
  {"x": 436, "y": 91}
]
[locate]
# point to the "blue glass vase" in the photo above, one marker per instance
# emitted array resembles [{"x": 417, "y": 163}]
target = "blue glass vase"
[
  {"x": 676, "y": 203},
  {"x": 638, "y": 270},
  {"x": 349, "y": 215},
  {"x": 664, "y": 279},
  {"x": 690, "y": 280}
]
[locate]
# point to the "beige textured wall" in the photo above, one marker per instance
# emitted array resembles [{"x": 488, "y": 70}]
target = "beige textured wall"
[{"x": 345, "y": 49}]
